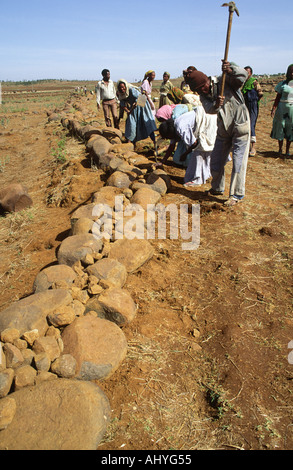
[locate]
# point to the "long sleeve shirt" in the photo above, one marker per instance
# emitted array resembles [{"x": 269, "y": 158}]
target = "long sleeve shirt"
[
  {"x": 105, "y": 91},
  {"x": 234, "y": 109}
]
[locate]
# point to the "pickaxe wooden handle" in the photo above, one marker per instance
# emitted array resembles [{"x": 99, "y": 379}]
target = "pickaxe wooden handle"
[{"x": 232, "y": 8}]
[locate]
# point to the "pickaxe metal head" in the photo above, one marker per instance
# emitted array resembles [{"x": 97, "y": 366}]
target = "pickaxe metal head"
[{"x": 232, "y": 7}]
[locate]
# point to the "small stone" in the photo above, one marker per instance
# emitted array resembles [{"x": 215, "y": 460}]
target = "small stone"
[
  {"x": 95, "y": 289},
  {"x": 13, "y": 355},
  {"x": 49, "y": 345},
  {"x": 2, "y": 358},
  {"x": 81, "y": 281},
  {"x": 20, "y": 344},
  {"x": 128, "y": 193},
  {"x": 24, "y": 376},
  {"x": 64, "y": 366},
  {"x": 62, "y": 317},
  {"x": 42, "y": 362},
  {"x": 28, "y": 356},
  {"x": 78, "y": 294},
  {"x": 52, "y": 331},
  {"x": 30, "y": 336},
  {"x": 97, "y": 256},
  {"x": 82, "y": 225},
  {"x": 195, "y": 347},
  {"x": 9, "y": 335},
  {"x": 77, "y": 268},
  {"x": 7, "y": 412},
  {"x": 195, "y": 333},
  {"x": 6, "y": 379},
  {"x": 88, "y": 259},
  {"x": 78, "y": 308}
]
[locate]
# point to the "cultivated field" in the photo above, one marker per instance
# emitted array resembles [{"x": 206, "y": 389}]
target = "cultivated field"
[{"x": 207, "y": 364}]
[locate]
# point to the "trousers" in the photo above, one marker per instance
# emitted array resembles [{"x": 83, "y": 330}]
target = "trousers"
[
  {"x": 236, "y": 140},
  {"x": 110, "y": 106}
]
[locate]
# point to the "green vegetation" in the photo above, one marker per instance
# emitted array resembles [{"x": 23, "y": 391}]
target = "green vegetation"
[{"x": 60, "y": 153}]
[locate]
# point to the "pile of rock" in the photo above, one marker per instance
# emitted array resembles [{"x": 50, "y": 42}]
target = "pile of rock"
[{"x": 69, "y": 333}]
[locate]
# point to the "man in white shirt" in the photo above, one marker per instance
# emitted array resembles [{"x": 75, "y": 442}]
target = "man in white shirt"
[{"x": 106, "y": 93}]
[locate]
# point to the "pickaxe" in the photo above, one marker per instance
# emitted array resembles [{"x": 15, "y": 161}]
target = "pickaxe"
[{"x": 232, "y": 8}]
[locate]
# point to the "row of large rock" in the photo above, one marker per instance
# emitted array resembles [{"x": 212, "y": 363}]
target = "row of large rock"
[{"x": 58, "y": 343}]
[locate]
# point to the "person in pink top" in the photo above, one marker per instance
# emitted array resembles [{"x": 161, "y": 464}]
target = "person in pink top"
[{"x": 146, "y": 88}]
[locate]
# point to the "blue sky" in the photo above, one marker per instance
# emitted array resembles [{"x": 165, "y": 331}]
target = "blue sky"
[{"x": 77, "y": 39}]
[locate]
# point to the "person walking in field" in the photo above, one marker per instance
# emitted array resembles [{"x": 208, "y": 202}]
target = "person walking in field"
[
  {"x": 282, "y": 112},
  {"x": 233, "y": 132},
  {"x": 252, "y": 93},
  {"x": 106, "y": 92}
]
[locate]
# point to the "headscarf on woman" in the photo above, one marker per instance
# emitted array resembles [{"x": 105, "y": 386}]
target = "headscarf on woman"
[
  {"x": 124, "y": 96},
  {"x": 196, "y": 79},
  {"x": 289, "y": 73},
  {"x": 165, "y": 112},
  {"x": 175, "y": 95},
  {"x": 148, "y": 73}
]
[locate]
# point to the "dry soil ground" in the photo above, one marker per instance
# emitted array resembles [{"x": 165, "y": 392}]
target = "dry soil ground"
[{"x": 207, "y": 365}]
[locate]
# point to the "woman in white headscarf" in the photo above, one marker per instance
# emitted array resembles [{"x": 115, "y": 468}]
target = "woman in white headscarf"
[{"x": 140, "y": 123}]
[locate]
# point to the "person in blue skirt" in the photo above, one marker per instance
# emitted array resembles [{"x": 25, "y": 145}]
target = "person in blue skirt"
[{"x": 140, "y": 122}]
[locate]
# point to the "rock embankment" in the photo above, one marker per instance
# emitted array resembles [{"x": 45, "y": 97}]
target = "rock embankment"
[{"x": 60, "y": 341}]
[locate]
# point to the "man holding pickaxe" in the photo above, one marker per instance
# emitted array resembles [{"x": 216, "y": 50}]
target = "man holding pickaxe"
[{"x": 222, "y": 95}]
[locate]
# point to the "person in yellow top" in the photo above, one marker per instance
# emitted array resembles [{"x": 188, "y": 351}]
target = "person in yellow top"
[{"x": 166, "y": 86}]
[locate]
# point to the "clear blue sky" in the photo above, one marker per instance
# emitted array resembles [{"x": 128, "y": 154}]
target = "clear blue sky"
[{"x": 77, "y": 39}]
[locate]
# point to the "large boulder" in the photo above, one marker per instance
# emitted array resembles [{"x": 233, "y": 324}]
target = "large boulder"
[
  {"x": 14, "y": 198},
  {"x": 100, "y": 147},
  {"x": 119, "y": 179},
  {"x": 83, "y": 212},
  {"x": 98, "y": 346},
  {"x": 53, "y": 274},
  {"x": 111, "y": 132},
  {"x": 110, "y": 270},
  {"x": 62, "y": 414},
  {"x": 145, "y": 196},
  {"x": 106, "y": 195},
  {"x": 118, "y": 306},
  {"x": 31, "y": 312},
  {"x": 76, "y": 247},
  {"x": 131, "y": 253}
]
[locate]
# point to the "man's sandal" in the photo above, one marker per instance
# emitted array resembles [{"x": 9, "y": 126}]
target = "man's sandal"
[{"x": 232, "y": 201}]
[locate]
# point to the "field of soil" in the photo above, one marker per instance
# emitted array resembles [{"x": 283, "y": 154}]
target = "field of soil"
[{"x": 207, "y": 364}]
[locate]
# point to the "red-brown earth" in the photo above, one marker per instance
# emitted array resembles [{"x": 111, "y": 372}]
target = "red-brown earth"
[{"x": 207, "y": 364}]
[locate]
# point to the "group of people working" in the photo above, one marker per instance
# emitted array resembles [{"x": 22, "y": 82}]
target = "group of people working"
[{"x": 208, "y": 120}]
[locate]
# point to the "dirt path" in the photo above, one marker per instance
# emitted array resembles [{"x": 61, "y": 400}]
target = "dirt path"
[{"x": 207, "y": 366}]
